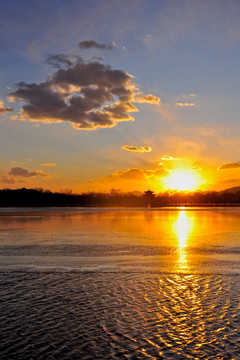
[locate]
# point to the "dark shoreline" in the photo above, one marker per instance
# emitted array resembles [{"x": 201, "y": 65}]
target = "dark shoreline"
[{"x": 45, "y": 198}]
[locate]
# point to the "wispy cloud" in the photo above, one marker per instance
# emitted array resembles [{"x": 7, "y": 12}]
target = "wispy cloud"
[
  {"x": 185, "y": 104},
  {"x": 195, "y": 168},
  {"x": 89, "y": 95},
  {"x": 229, "y": 166},
  {"x": 202, "y": 17},
  {"x": 49, "y": 164},
  {"x": 133, "y": 148}
]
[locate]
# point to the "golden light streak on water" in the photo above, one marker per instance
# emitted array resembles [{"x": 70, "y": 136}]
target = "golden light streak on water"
[{"x": 183, "y": 228}]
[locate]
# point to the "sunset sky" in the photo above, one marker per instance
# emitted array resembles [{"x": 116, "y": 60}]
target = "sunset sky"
[{"x": 130, "y": 95}]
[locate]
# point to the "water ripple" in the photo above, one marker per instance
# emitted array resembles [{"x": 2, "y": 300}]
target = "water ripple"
[{"x": 119, "y": 316}]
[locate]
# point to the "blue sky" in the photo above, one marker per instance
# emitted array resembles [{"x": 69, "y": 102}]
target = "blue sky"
[{"x": 185, "y": 53}]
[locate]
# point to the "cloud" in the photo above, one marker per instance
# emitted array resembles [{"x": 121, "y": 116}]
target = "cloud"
[
  {"x": 139, "y": 174},
  {"x": 133, "y": 173},
  {"x": 229, "y": 166},
  {"x": 195, "y": 168},
  {"x": 49, "y": 164},
  {"x": 61, "y": 59},
  {"x": 142, "y": 149},
  {"x": 168, "y": 157},
  {"x": 90, "y": 44},
  {"x": 3, "y": 109},
  {"x": 180, "y": 104},
  {"x": 89, "y": 95},
  {"x": 8, "y": 180},
  {"x": 149, "y": 98},
  {"x": 18, "y": 171}
]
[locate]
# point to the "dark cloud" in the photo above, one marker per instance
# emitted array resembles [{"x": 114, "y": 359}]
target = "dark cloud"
[
  {"x": 229, "y": 166},
  {"x": 18, "y": 171},
  {"x": 3, "y": 109},
  {"x": 90, "y": 44},
  {"x": 89, "y": 95},
  {"x": 58, "y": 60},
  {"x": 134, "y": 148}
]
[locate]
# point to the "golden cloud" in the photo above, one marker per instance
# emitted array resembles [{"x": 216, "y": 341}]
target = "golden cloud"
[
  {"x": 185, "y": 104},
  {"x": 3, "y": 109},
  {"x": 168, "y": 158},
  {"x": 49, "y": 164},
  {"x": 149, "y": 98},
  {"x": 133, "y": 148}
]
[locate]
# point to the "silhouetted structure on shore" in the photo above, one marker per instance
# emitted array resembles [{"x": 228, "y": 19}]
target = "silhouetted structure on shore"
[{"x": 40, "y": 197}]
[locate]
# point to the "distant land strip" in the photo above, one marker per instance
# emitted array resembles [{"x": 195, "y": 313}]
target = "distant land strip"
[{"x": 45, "y": 198}]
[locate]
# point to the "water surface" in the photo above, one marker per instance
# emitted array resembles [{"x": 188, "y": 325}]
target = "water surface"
[{"x": 120, "y": 284}]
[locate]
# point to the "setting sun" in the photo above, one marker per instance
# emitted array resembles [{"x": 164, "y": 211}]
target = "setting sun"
[{"x": 183, "y": 180}]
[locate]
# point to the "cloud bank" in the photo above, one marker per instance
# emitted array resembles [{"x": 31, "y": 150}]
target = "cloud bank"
[
  {"x": 89, "y": 95},
  {"x": 140, "y": 174},
  {"x": 133, "y": 148}
]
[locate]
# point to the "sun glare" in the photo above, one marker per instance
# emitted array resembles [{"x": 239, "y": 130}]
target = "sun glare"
[{"x": 183, "y": 180}]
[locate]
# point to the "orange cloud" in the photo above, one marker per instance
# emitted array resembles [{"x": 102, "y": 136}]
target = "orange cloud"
[
  {"x": 141, "y": 174},
  {"x": 3, "y": 109},
  {"x": 49, "y": 164},
  {"x": 8, "y": 180},
  {"x": 168, "y": 157},
  {"x": 229, "y": 166}
]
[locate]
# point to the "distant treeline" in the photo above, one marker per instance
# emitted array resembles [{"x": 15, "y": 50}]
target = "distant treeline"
[{"x": 40, "y": 197}]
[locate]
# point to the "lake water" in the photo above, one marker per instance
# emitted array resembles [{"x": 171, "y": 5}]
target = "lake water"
[{"x": 120, "y": 283}]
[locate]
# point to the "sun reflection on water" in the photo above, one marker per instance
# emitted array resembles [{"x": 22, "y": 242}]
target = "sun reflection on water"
[{"x": 183, "y": 227}]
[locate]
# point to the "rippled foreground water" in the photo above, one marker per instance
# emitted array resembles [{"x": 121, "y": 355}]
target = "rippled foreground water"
[{"x": 120, "y": 284}]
